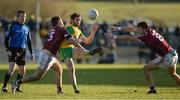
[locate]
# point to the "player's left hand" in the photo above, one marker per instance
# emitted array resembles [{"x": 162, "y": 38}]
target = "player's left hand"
[
  {"x": 32, "y": 57},
  {"x": 95, "y": 26}
]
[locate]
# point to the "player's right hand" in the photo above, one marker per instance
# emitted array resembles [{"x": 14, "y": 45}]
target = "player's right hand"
[
  {"x": 32, "y": 57},
  {"x": 95, "y": 26}
]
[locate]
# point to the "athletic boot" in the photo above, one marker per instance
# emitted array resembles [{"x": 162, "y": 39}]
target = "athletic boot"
[
  {"x": 60, "y": 90},
  {"x": 18, "y": 90},
  {"x": 77, "y": 91},
  {"x": 4, "y": 90},
  {"x": 152, "y": 92},
  {"x": 96, "y": 50}
]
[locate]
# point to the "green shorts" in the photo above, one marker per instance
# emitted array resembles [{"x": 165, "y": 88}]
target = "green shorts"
[{"x": 66, "y": 53}]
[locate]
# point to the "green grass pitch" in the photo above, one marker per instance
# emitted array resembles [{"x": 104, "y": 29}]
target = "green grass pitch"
[{"x": 107, "y": 81}]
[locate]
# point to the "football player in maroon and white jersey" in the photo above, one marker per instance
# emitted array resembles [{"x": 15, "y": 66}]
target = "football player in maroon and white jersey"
[
  {"x": 47, "y": 57},
  {"x": 167, "y": 55}
]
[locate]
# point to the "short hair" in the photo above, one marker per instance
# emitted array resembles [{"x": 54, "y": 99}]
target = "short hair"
[
  {"x": 20, "y": 12},
  {"x": 55, "y": 20},
  {"x": 143, "y": 25},
  {"x": 74, "y": 15}
]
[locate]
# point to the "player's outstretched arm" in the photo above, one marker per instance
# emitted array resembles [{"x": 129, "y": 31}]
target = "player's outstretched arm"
[
  {"x": 88, "y": 40},
  {"x": 124, "y": 29},
  {"x": 76, "y": 43},
  {"x": 79, "y": 50},
  {"x": 121, "y": 37}
]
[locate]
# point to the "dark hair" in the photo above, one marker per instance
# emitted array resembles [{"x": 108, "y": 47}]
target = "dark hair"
[
  {"x": 143, "y": 25},
  {"x": 20, "y": 12},
  {"x": 55, "y": 20},
  {"x": 74, "y": 15}
]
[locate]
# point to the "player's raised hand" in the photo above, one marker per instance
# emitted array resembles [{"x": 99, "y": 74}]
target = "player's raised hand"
[
  {"x": 95, "y": 26},
  {"x": 109, "y": 35}
]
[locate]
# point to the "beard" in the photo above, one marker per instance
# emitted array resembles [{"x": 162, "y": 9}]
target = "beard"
[{"x": 75, "y": 24}]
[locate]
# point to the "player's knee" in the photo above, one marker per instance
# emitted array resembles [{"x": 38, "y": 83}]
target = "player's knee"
[
  {"x": 172, "y": 74},
  {"x": 11, "y": 70},
  {"x": 145, "y": 68}
]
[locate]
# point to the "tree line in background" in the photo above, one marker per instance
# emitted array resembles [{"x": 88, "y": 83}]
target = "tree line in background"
[
  {"x": 140, "y": 1},
  {"x": 8, "y": 8}
]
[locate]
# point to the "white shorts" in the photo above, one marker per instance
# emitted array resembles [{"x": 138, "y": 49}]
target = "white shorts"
[
  {"x": 169, "y": 60},
  {"x": 45, "y": 61}
]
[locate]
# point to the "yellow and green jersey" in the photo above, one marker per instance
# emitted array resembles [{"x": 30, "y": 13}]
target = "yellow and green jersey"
[{"x": 75, "y": 32}]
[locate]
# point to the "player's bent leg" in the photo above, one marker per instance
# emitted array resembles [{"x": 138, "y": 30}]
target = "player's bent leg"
[
  {"x": 173, "y": 74},
  {"x": 170, "y": 62},
  {"x": 36, "y": 76},
  {"x": 45, "y": 62},
  {"x": 148, "y": 75},
  {"x": 152, "y": 65},
  {"x": 33, "y": 77},
  {"x": 148, "y": 72},
  {"x": 72, "y": 76},
  {"x": 58, "y": 69}
]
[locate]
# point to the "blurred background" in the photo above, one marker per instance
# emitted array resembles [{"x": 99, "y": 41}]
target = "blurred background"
[{"x": 162, "y": 15}]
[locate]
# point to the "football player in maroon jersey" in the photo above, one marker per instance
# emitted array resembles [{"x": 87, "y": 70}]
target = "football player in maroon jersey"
[
  {"x": 167, "y": 55},
  {"x": 47, "y": 57}
]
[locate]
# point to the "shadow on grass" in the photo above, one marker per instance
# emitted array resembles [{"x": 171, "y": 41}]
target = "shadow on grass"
[{"x": 124, "y": 77}]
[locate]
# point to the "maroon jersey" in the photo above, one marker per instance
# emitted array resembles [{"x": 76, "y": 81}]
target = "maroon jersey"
[
  {"x": 56, "y": 37},
  {"x": 156, "y": 42}
]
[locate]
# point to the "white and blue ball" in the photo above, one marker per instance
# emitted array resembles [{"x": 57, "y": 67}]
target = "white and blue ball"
[{"x": 93, "y": 14}]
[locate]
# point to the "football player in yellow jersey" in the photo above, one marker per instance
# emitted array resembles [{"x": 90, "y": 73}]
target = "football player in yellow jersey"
[{"x": 67, "y": 50}]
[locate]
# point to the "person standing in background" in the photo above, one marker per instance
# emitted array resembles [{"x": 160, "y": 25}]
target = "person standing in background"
[{"x": 16, "y": 41}]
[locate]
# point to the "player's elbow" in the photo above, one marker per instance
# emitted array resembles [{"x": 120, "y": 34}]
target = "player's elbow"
[{"x": 87, "y": 42}]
